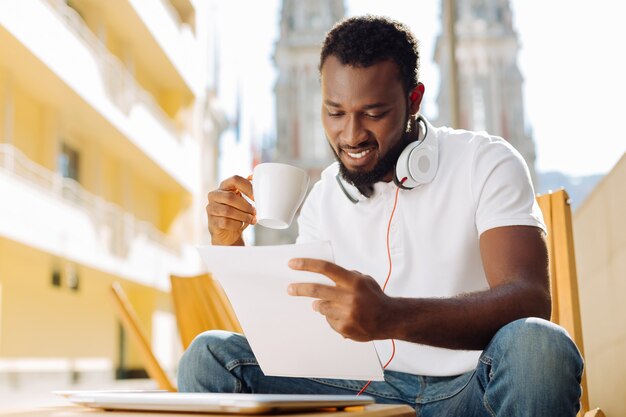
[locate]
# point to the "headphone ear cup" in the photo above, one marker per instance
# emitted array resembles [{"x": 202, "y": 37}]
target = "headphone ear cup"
[
  {"x": 423, "y": 164},
  {"x": 402, "y": 170},
  {"x": 417, "y": 163}
]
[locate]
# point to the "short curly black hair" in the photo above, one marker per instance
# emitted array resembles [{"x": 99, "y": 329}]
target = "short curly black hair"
[{"x": 363, "y": 41}]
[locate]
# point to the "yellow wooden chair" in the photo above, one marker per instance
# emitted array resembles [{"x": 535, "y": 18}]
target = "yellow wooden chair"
[
  {"x": 201, "y": 304},
  {"x": 557, "y": 215},
  {"x": 133, "y": 326}
]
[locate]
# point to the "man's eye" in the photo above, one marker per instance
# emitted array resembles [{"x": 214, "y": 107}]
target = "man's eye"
[
  {"x": 334, "y": 114},
  {"x": 375, "y": 116}
]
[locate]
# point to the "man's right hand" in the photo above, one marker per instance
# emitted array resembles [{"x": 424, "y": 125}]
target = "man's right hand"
[{"x": 229, "y": 213}]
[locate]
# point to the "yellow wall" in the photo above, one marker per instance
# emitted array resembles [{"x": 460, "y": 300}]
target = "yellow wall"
[
  {"x": 1, "y": 313},
  {"x": 49, "y": 147},
  {"x": 145, "y": 200},
  {"x": 38, "y": 320},
  {"x": 110, "y": 179},
  {"x": 600, "y": 244},
  {"x": 47, "y": 321},
  {"x": 173, "y": 220},
  {"x": 91, "y": 157},
  {"x": 4, "y": 92},
  {"x": 170, "y": 102},
  {"x": 27, "y": 125},
  {"x": 35, "y": 129},
  {"x": 39, "y": 132}
]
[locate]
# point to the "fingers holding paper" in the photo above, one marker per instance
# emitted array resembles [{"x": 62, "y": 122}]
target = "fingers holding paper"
[{"x": 355, "y": 306}]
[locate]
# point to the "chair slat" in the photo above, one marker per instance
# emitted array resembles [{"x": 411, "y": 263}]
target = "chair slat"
[
  {"x": 133, "y": 326},
  {"x": 201, "y": 304},
  {"x": 557, "y": 215}
]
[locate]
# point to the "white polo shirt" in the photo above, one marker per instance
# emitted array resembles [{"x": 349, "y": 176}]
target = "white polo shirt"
[{"x": 482, "y": 182}]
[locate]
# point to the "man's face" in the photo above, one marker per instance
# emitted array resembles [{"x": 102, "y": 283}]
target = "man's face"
[{"x": 365, "y": 113}]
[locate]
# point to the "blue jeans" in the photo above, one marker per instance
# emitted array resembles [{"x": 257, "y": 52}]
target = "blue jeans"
[{"x": 530, "y": 368}]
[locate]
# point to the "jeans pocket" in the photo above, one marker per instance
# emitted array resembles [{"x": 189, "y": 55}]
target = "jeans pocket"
[
  {"x": 484, "y": 371},
  {"x": 442, "y": 388},
  {"x": 239, "y": 362}
]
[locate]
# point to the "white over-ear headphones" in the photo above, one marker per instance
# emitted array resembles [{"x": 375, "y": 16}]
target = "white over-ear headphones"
[
  {"x": 416, "y": 165},
  {"x": 418, "y": 162}
]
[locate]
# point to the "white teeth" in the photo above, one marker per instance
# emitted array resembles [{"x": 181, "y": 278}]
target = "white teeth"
[{"x": 359, "y": 155}]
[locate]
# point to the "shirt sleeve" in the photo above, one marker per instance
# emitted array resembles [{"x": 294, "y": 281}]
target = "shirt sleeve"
[
  {"x": 502, "y": 188},
  {"x": 309, "y": 221}
]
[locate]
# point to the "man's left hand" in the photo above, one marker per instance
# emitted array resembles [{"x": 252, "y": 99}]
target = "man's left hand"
[{"x": 355, "y": 306}]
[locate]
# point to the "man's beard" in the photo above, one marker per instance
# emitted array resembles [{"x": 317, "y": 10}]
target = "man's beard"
[{"x": 364, "y": 180}]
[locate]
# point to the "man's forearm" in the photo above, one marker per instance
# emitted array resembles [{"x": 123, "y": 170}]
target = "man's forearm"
[{"x": 465, "y": 322}]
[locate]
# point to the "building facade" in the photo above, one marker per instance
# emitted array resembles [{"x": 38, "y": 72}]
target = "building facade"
[
  {"x": 600, "y": 247},
  {"x": 108, "y": 127},
  {"x": 300, "y": 138},
  {"x": 489, "y": 80}
]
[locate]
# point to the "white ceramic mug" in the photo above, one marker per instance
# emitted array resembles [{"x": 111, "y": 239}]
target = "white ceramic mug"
[{"x": 278, "y": 189}]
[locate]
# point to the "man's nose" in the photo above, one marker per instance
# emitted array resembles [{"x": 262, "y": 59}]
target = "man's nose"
[{"x": 353, "y": 132}]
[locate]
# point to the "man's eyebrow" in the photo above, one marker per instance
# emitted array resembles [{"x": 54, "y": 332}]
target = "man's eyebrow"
[
  {"x": 374, "y": 106},
  {"x": 366, "y": 107}
]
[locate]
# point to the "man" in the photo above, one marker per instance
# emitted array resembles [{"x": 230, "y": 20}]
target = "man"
[{"x": 462, "y": 256}]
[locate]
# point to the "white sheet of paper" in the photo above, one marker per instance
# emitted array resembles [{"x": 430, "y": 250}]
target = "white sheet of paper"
[{"x": 287, "y": 337}]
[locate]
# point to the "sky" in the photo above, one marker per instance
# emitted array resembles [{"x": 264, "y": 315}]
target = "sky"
[{"x": 575, "y": 76}]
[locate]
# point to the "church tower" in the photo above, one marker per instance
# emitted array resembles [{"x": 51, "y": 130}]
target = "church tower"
[
  {"x": 300, "y": 138},
  {"x": 489, "y": 79}
]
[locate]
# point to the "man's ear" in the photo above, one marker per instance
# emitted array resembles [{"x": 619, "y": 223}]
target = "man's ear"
[{"x": 415, "y": 98}]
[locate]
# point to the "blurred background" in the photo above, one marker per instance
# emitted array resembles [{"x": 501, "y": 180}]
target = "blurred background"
[{"x": 117, "y": 117}]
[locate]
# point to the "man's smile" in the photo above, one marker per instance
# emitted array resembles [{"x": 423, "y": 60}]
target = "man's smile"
[
  {"x": 360, "y": 154},
  {"x": 358, "y": 158}
]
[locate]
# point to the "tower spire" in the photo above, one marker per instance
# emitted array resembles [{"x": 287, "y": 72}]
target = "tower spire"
[
  {"x": 300, "y": 138},
  {"x": 489, "y": 79}
]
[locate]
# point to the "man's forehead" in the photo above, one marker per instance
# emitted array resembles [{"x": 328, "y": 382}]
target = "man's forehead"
[
  {"x": 384, "y": 67},
  {"x": 342, "y": 81}
]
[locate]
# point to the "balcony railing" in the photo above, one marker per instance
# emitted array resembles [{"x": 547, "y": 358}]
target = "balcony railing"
[
  {"x": 120, "y": 85},
  {"x": 117, "y": 228}
]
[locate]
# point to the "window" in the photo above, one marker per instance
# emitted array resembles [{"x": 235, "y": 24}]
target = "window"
[
  {"x": 480, "y": 9},
  {"x": 73, "y": 280},
  {"x": 56, "y": 278},
  {"x": 69, "y": 162}
]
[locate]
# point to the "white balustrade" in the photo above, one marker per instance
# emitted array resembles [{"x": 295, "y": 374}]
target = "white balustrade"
[
  {"x": 120, "y": 85},
  {"x": 117, "y": 228}
]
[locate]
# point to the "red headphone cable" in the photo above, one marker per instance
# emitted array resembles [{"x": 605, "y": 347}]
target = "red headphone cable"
[{"x": 393, "y": 343}]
